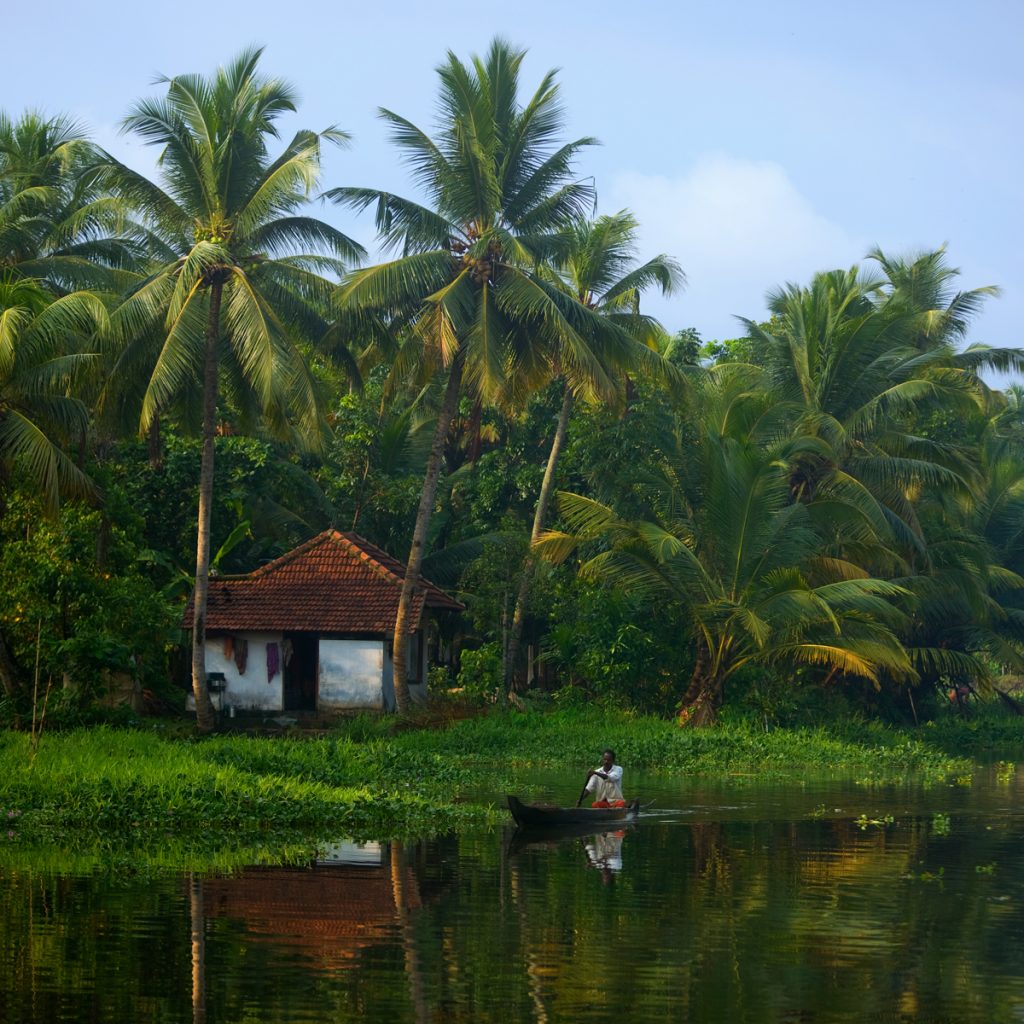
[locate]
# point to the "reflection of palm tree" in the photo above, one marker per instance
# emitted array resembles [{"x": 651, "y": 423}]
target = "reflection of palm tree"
[
  {"x": 399, "y": 883},
  {"x": 534, "y": 979},
  {"x": 197, "y": 918},
  {"x": 710, "y": 850}
]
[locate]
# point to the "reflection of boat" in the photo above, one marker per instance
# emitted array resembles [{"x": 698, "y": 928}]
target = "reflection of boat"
[
  {"x": 551, "y": 835},
  {"x": 537, "y": 815}
]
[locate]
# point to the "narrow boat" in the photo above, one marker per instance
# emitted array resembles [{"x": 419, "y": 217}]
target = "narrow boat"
[{"x": 535, "y": 815}]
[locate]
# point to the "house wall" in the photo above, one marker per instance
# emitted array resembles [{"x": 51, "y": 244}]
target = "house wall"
[
  {"x": 417, "y": 691},
  {"x": 389, "y": 679},
  {"x": 249, "y": 691},
  {"x": 351, "y": 674}
]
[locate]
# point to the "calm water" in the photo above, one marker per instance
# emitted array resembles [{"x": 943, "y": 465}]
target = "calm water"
[{"x": 729, "y": 902}]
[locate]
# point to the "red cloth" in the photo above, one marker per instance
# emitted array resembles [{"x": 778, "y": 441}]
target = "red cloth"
[{"x": 606, "y": 803}]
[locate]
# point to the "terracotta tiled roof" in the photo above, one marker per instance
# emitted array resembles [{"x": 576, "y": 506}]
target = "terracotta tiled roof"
[{"x": 334, "y": 583}]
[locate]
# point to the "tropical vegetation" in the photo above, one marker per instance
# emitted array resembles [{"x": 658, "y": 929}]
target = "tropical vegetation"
[
  {"x": 820, "y": 517},
  {"x": 130, "y": 785}
]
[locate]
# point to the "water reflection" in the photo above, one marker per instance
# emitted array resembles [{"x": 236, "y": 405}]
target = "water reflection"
[
  {"x": 354, "y": 897},
  {"x": 197, "y": 920},
  {"x": 602, "y": 847},
  {"x": 605, "y": 852},
  {"x": 758, "y": 905}
]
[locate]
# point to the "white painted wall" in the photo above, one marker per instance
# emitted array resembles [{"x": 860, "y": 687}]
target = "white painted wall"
[
  {"x": 351, "y": 674},
  {"x": 251, "y": 690},
  {"x": 389, "y": 678}
]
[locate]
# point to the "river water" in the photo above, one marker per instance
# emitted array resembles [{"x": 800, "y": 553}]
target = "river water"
[{"x": 729, "y": 901}]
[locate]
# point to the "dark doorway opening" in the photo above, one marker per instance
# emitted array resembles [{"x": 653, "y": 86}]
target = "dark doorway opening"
[{"x": 301, "y": 665}]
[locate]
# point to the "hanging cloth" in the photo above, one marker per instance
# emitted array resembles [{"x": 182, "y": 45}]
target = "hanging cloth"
[
  {"x": 241, "y": 654},
  {"x": 273, "y": 661}
]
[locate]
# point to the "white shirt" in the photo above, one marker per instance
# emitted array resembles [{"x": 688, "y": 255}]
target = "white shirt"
[{"x": 609, "y": 789}]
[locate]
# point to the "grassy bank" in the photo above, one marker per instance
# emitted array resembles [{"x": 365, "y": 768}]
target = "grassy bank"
[{"x": 373, "y": 780}]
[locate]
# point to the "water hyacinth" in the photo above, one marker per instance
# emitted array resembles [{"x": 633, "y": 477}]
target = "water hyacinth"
[{"x": 117, "y": 782}]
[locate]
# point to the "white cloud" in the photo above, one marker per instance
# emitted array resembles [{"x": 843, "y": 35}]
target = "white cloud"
[{"x": 739, "y": 228}]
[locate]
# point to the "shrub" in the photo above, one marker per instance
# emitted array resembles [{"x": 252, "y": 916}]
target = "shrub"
[{"x": 480, "y": 671}]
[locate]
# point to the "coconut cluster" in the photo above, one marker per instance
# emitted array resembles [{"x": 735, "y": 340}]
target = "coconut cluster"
[
  {"x": 217, "y": 230},
  {"x": 481, "y": 267}
]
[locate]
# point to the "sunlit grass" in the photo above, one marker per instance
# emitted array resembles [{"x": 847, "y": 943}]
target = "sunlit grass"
[
  {"x": 251, "y": 799},
  {"x": 576, "y": 738},
  {"x": 133, "y": 783}
]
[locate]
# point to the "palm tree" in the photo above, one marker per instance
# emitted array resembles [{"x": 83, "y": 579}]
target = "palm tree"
[
  {"x": 967, "y": 587},
  {"x": 867, "y": 364},
  {"x": 924, "y": 285},
  {"x": 59, "y": 224},
  {"x": 748, "y": 566},
  {"x": 499, "y": 186},
  {"x": 849, "y": 364},
  {"x": 232, "y": 292},
  {"x": 39, "y": 365},
  {"x": 42, "y": 359},
  {"x": 597, "y": 267}
]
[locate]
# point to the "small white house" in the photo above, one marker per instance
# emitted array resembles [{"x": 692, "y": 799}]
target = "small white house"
[{"x": 312, "y": 630}]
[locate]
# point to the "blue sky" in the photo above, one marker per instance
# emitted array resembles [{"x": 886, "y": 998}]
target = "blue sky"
[{"x": 756, "y": 143}]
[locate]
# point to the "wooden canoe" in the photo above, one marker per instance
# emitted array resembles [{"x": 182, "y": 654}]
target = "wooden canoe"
[{"x": 534, "y": 815}]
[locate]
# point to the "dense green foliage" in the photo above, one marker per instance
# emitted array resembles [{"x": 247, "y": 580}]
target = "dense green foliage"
[
  {"x": 366, "y": 779},
  {"x": 821, "y": 517}
]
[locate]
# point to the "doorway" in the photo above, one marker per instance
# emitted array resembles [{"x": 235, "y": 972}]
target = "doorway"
[{"x": 301, "y": 668}]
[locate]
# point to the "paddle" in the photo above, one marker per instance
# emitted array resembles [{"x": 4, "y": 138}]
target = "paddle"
[{"x": 583, "y": 793}]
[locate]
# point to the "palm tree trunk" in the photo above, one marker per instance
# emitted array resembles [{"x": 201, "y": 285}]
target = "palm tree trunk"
[
  {"x": 10, "y": 675},
  {"x": 699, "y": 706},
  {"x": 474, "y": 432},
  {"x": 529, "y": 565},
  {"x": 400, "y": 664},
  {"x": 154, "y": 445},
  {"x": 204, "y": 708}
]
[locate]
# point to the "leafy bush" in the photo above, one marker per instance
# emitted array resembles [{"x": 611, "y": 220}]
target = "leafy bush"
[
  {"x": 625, "y": 654},
  {"x": 480, "y": 671},
  {"x": 72, "y": 589}
]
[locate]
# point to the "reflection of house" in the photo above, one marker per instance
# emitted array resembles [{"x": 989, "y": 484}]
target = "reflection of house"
[
  {"x": 326, "y": 914},
  {"x": 346, "y": 852},
  {"x": 312, "y": 630}
]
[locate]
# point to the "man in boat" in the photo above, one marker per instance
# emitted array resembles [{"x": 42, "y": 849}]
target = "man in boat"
[{"x": 605, "y": 783}]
